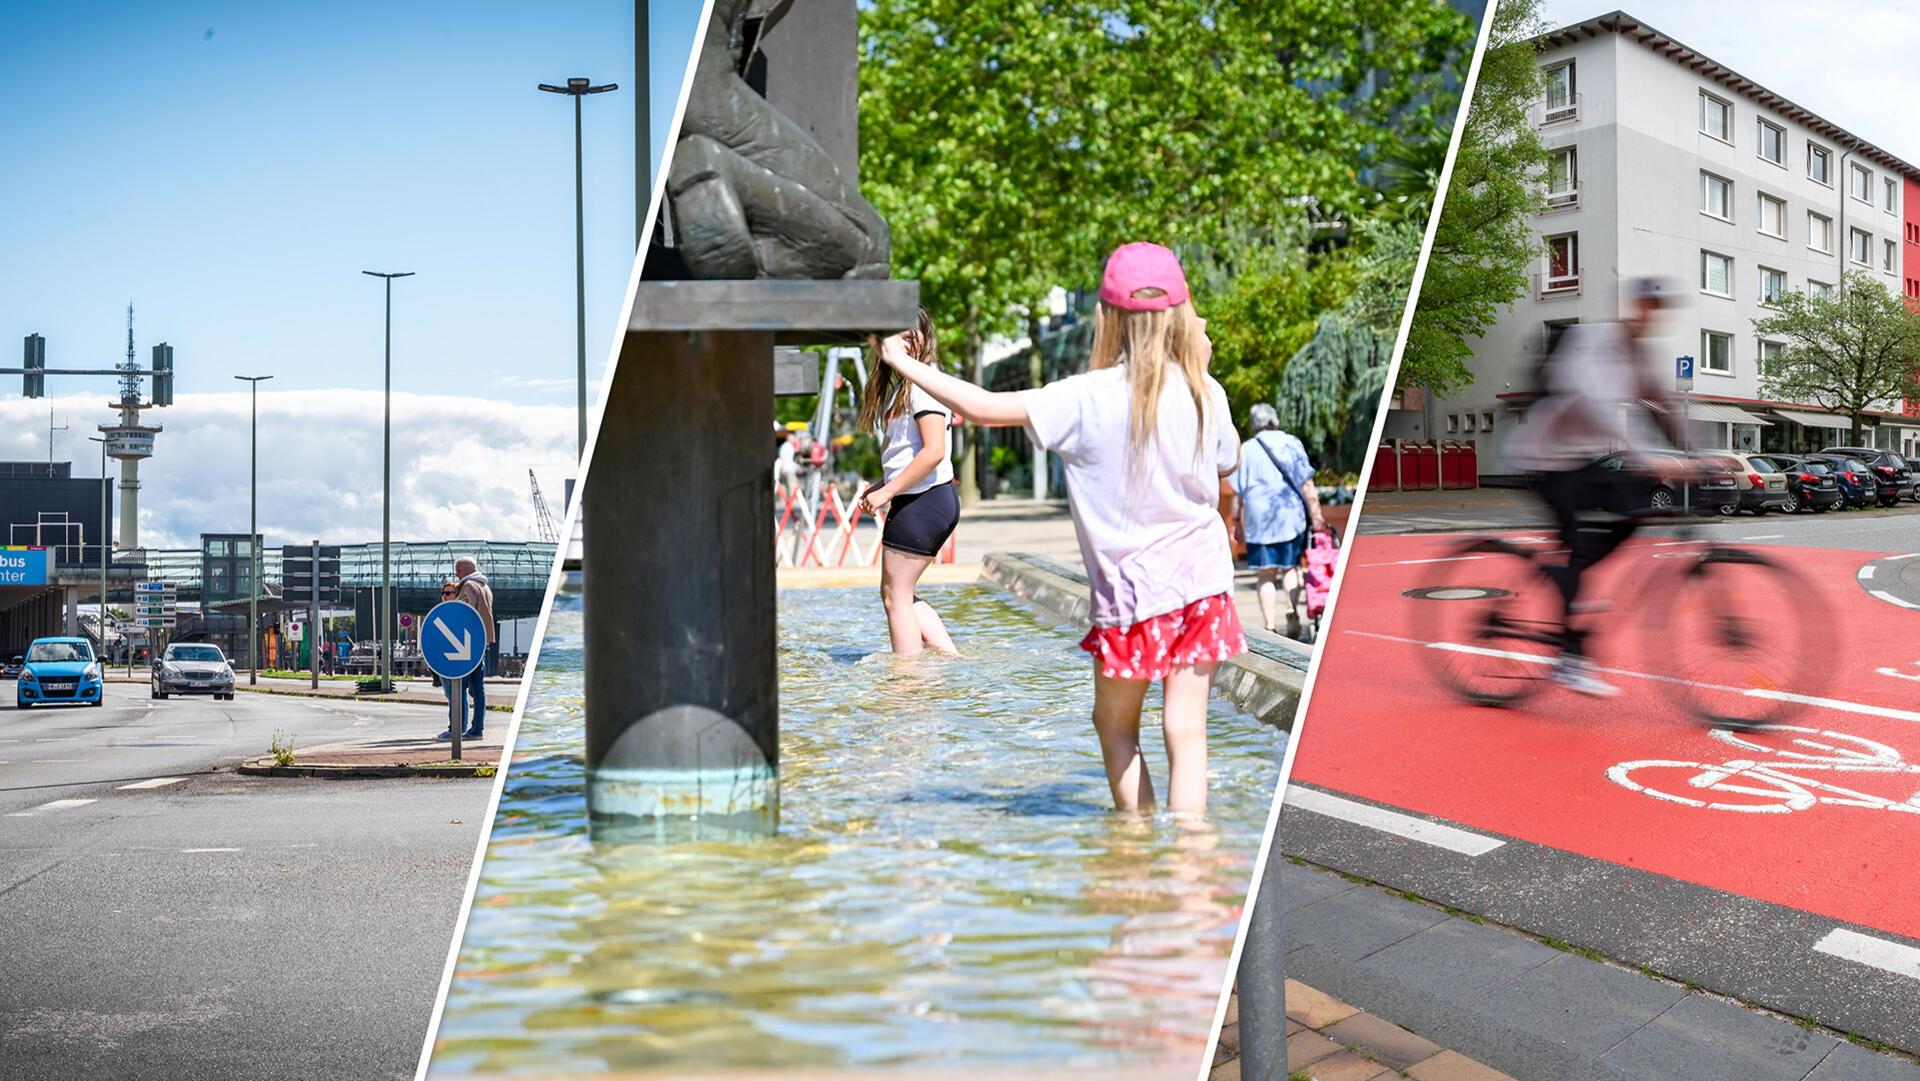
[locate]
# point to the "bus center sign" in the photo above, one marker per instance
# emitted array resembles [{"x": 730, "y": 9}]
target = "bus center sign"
[{"x": 23, "y": 566}]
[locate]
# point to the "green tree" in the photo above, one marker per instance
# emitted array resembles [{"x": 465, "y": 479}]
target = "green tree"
[
  {"x": 1484, "y": 240},
  {"x": 1845, "y": 352}
]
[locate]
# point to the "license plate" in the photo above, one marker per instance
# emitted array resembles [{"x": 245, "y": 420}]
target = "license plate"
[
  {"x": 60, "y": 686},
  {"x": 199, "y": 683}
]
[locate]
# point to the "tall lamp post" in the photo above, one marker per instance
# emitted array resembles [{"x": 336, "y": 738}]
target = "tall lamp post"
[
  {"x": 385, "y": 615},
  {"x": 253, "y": 531},
  {"x": 106, "y": 549},
  {"x": 579, "y": 89}
]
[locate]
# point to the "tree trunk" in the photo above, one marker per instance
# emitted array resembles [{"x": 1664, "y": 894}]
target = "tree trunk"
[
  {"x": 970, "y": 458},
  {"x": 1036, "y": 376}
]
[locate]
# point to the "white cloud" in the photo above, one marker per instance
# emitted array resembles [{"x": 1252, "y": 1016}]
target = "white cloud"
[{"x": 459, "y": 464}]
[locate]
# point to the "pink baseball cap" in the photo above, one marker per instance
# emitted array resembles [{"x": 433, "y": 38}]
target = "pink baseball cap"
[{"x": 1141, "y": 265}]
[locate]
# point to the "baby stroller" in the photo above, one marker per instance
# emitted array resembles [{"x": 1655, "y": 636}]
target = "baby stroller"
[{"x": 1323, "y": 554}]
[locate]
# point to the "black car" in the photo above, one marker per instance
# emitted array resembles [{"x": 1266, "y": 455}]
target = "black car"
[
  {"x": 1892, "y": 472},
  {"x": 1858, "y": 485},
  {"x": 1718, "y": 492},
  {"x": 1811, "y": 485}
]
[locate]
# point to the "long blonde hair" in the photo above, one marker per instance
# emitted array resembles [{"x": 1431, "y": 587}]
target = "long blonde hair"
[
  {"x": 887, "y": 396},
  {"x": 1146, "y": 342}
]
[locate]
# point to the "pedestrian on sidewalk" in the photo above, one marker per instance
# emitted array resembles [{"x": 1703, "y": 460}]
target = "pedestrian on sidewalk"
[
  {"x": 447, "y": 589},
  {"x": 471, "y": 588},
  {"x": 916, "y": 491},
  {"x": 1278, "y": 505},
  {"x": 1145, "y": 436}
]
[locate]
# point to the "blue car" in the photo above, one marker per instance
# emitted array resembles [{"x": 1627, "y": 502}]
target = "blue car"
[{"x": 60, "y": 670}]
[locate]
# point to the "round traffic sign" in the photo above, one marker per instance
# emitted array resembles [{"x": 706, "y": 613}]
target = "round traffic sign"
[
  {"x": 406, "y": 619},
  {"x": 453, "y": 639}
]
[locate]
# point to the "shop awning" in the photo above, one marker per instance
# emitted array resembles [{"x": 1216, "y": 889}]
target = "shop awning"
[
  {"x": 1815, "y": 420},
  {"x": 1724, "y": 414}
]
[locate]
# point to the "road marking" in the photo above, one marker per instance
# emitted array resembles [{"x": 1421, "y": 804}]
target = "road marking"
[
  {"x": 55, "y": 761},
  {"x": 1867, "y": 950},
  {"x": 63, "y": 804},
  {"x": 57, "y": 739},
  {"x": 209, "y": 850},
  {"x": 1836, "y": 703},
  {"x": 1866, "y": 573},
  {"x": 157, "y": 782},
  {"x": 1764, "y": 536},
  {"x": 1400, "y": 825},
  {"x": 1410, "y": 562},
  {"x": 1890, "y": 598}
]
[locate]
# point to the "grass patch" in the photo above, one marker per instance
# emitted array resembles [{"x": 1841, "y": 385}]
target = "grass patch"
[{"x": 282, "y": 747}]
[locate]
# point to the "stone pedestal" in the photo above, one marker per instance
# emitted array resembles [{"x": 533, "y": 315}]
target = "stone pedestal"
[{"x": 682, "y": 702}]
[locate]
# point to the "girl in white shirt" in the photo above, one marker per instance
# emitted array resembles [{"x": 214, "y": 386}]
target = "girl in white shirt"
[
  {"x": 916, "y": 491},
  {"x": 1145, "y": 435}
]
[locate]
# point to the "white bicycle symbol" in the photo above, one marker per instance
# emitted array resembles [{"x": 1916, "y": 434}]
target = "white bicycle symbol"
[{"x": 1779, "y": 784}]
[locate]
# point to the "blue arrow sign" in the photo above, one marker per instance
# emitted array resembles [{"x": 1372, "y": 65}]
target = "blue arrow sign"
[{"x": 453, "y": 639}]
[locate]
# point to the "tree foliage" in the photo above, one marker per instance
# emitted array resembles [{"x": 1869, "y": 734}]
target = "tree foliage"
[
  {"x": 1848, "y": 351},
  {"x": 1484, "y": 241},
  {"x": 1012, "y": 143}
]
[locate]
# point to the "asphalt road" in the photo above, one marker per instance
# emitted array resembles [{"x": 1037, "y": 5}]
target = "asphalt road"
[
  {"x": 162, "y": 916},
  {"x": 1625, "y": 827}
]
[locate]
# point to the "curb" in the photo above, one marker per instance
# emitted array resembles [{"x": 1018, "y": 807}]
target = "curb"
[
  {"x": 265, "y": 766},
  {"x": 393, "y": 698},
  {"x": 1266, "y": 681}
]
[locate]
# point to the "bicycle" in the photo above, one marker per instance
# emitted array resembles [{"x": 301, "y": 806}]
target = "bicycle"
[{"x": 1736, "y": 637}]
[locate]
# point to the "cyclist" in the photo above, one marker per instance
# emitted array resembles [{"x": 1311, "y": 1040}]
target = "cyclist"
[{"x": 1598, "y": 391}]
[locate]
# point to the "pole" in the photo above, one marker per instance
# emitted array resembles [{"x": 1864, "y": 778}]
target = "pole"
[
  {"x": 386, "y": 511},
  {"x": 580, "y": 283},
  {"x": 642, "y": 121},
  {"x": 253, "y": 531},
  {"x": 313, "y": 622},
  {"x": 456, "y": 713},
  {"x": 105, "y": 528}
]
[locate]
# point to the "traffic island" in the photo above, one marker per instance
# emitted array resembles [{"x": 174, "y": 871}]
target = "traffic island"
[{"x": 354, "y": 759}]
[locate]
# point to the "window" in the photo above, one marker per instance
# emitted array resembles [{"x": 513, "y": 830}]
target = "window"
[
  {"x": 1886, "y": 256},
  {"x": 1716, "y": 117},
  {"x": 1716, "y": 196},
  {"x": 1860, "y": 182},
  {"x": 1716, "y": 352},
  {"x": 1773, "y": 216},
  {"x": 1819, "y": 232},
  {"x": 1888, "y": 195},
  {"x": 1716, "y": 274},
  {"x": 1819, "y": 165},
  {"x": 1859, "y": 246},
  {"x": 1563, "y": 263},
  {"x": 1772, "y": 284},
  {"x": 1819, "y": 290},
  {"x": 1773, "y": 143},
  {"x": 1453, "y": 423},
  {"x": 1561, "y": 103},
  {"x": 1563, "y": 178},
  {"x": 1486, "y": 421},
  {"x": 1770, "y": 354}
]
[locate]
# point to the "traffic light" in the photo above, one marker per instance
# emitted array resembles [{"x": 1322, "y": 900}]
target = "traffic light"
[
  {"x": 34, "y": 383},
  {"x": 163, "y": 374}
]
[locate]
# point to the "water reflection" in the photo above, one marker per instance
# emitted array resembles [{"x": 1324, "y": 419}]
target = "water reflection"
[{"x": 948, "y": 885}]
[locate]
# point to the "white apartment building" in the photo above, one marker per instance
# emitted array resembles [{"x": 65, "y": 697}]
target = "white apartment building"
[{"x": 1668, "y": 163}]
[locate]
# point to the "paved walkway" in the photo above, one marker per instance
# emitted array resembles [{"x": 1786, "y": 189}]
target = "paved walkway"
[{"x": 1329, "y": 1040}]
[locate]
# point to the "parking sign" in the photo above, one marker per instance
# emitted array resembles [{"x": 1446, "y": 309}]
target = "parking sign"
[{"x": 1683, "y": 373}]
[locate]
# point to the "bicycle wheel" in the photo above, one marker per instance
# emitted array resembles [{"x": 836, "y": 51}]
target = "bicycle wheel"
[
  {"x": 1489, "y": 620},
  {"x": 1744, "y": 636}
]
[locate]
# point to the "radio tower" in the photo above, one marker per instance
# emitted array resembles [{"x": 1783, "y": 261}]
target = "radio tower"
[{"x": 130, "y": 441}]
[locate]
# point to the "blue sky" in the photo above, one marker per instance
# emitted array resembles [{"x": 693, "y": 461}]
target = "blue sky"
[{"x": 231, "y": 168}]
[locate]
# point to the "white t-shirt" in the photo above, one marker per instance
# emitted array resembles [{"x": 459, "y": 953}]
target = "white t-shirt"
[
  {"x": 1150, "y": 534},
  {"x": 904, "y": 442}
]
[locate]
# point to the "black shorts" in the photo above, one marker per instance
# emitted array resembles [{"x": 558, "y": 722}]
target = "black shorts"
[{"x": 921, "y": 523}]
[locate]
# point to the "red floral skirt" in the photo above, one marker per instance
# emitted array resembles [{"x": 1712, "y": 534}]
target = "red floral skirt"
[{"x": 1204, "y": 632}]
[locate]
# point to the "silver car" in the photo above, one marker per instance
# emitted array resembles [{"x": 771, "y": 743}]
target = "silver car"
[{"x": 193, "y": 668}]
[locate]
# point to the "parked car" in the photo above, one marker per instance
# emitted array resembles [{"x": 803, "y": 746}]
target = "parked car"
[
  {"x": 1894, "y": 473},
  {"x": 1763, "y": 487},
  {"x": 60, "y": 670},
  {"x": 10, "y": 668},
  {"x": 192, "y": 668},
  {"x": 1811, "y": 485},
  {"x": 1717, "y": 492},
  {"x": 1858, "y": 487}
]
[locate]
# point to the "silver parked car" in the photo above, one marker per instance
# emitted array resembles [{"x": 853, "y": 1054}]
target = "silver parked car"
[{"x": 193, "y": 668}]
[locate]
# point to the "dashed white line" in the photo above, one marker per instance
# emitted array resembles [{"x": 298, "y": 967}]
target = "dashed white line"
[
  {"x": 1410, "y": 562},
  {"x": 1862, "y": 949},
  {"x": 1764, "y": 536},
  {"x": 156, "y": 782},
  {"x": 1400, "y": 825},
  {"x": 1866, "y": 573},
  {"x": 56, "y": 805},
  {"x": 209, "y": 850}
]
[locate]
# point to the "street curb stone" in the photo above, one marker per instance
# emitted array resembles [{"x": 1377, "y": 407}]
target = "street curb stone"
[{"x": 265, "y": 766}]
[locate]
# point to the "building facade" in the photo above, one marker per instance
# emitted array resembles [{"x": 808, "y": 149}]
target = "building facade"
[{"x": 1666, "y": 163}]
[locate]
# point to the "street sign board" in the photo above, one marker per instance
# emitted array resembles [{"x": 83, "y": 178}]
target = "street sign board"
[
  {"x": 300, "y": 572},
  {"x": 1683, "y": 373},
  {"x": 23, "y": 566},
  {"x": 453, "y": 640},
  {"x": 406, "y": 619}
]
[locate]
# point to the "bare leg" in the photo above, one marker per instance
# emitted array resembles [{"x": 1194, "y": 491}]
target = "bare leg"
[
  {"x": 932, "y": 631},
  {"x": 899, "y": 574},
  {"x": 1294, "y": 583},
  {"x": 1116, "y": 719},
  {"x": 1269, "y": 618},
  {"x": 1185, "y": 720}
]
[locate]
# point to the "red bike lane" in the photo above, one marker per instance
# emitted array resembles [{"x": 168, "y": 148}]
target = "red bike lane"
[{"x": 1558, "y": 769}]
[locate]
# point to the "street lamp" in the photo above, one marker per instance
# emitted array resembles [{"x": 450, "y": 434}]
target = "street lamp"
[
  {"x": 385, "y": 617},
  {"x": 253, "y": 532},
  {"x": 105, "y": 528},
  {"x": 578, "y": 89}
]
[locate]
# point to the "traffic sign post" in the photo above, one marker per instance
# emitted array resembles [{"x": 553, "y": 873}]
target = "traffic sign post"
[
  {"x": 311, "y": 575},
  {"x": 154, "y": 611},
  {"x": 1683, "y": 382},
  {"x": 453, "y": 642}
]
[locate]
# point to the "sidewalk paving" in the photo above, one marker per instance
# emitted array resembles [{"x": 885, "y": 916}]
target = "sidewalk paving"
[{"x": 1329, "y": 1040}]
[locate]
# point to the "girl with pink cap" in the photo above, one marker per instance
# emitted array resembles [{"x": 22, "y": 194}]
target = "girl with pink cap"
[{"x": 1145, "y": 436}]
